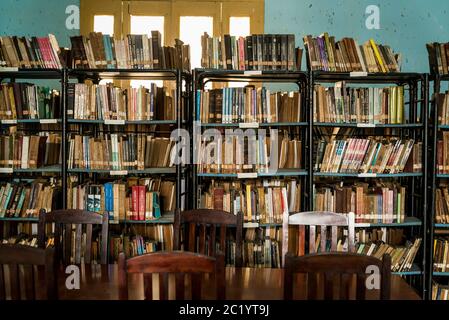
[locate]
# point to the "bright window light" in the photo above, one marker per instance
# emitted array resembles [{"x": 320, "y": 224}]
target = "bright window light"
[
  {"x": 144, "y": 25},
  {"x": 104, "y": 24},
  {"x": 239, "y": 26},
  {"x": 191, "y": 29}
]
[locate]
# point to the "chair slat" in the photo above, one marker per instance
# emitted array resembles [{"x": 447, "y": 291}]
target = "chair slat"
[
  {"x": 223, "y": 238},
  {"x": 329, "y": 285},
  {"x": 312, "y": 286},
  {"x": 323, "y": 238},
  {"x": 312, "y": 239},
  {"x": 212, "y": 240},
  {"x": 192, "y": 228},
  {"x": 344, "y": 286},
  {"x": 78, "y": 231},
  {"x": 28, "y": 273},
  {"x": 88, "y": 254},
  {"x": 202, "y": 239},
  {"x": 14, "y": 281},
  {"x": 148, "y": 286},
  {"x": 67, "y": 243},
  {"x": 361, "y": 287},
  {"x": 196, "y": 286},
  {"x": 334, "y": 240},
  {"x": 2, "y": 284},
  {"x": 180, "y": 288},
  {"x": 163, "y": 286}
]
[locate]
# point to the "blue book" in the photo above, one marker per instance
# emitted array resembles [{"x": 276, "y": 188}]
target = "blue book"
[
  {"x": 198, "y": 105},
  {"x": 108, "y": 50},
  {"x": 156, "y": 206}
]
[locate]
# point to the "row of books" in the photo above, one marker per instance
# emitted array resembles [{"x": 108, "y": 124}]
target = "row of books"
[
  {"x": 34, "y": 52},
  {"x": 341, "y": 104},
  {"x": 238, "y": 105},
  {"x": 259, "y": 201},
  {"x": 119, "y": 152},
  {"x": 143, "y": 239},
  {"x": 391, "y": 236},
  {"x": 135, "y": 51},
  {"x": 442, "y": 160},
  {"x": 371, "y": 155},
  {"x": 109, "y": 102},
  {"x": 438, "y": 57},
  {"x": 442, "y": 204},
  {"x": 441, "y": 254},
  {"x": 249, "y": 154},
  {"x": 19, "y": 100},
  {"x": 25, "y": 199},
  {"x": 326, "y": 54},
  {"x": 254, "y": 52},
  {"x": 262, "y": 248},
  {"x": 381, "y": 202},
  {"x": 402, "y": 257},
  {"x": 440, "y": 292},
  {"x": 30, "y": 151},
  {"x": 131, "y": 199},
  {"x": 442, "y": 102}
]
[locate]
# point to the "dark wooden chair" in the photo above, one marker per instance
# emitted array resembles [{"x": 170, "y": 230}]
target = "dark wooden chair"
[
  {"x": 201, "y": 225},
  {"x": 65, "y": 219},
  {"x": 335, "y": 275},
  {"x": 27, "y": 266},
  {"x": 323, "y": 219},
  {"x": 180, "y": 263}
]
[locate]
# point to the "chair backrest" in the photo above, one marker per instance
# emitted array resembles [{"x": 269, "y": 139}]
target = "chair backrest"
[
  {"x": 179, "y": 263},
  {"x": 337, "y": 271},
  {"x": 66, "y": 219},
  {"x": 31, "y": 260},
  {"x": 325, "y": 220},
  {"x": 200, "y": 227}
]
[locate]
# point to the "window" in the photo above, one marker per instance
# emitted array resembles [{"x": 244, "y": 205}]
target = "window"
[
  {"x": 104, "y": 24},
  {"x": 239, "y": 26},
  {"x": 190, "y": 31}
]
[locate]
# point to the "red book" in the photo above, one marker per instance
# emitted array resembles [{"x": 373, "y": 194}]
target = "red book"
[
  {"x": 134, "y": 202},
  {"x": 141, "y": 204}
]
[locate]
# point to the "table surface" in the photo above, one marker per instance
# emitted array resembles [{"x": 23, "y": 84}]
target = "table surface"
[{"x": 101, "y": 283}]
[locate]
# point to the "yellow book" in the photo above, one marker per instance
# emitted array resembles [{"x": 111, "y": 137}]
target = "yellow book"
[
  {"x": 248, "y": 202},
  {"x": 400, "y": 105},
  {"x": 377, "y": 54},
  {"x": 330, "y": 53}
]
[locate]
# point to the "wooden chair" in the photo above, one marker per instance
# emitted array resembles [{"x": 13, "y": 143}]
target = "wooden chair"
[
  {"x": 207, "y": 220},
  {"x": 32, "y": 260},
  {"x": 336, "y": 271},
  {"x": 65, "y": 219},
  {"x": 179, "y": 263},
  {"x": 324, "y": 219}
]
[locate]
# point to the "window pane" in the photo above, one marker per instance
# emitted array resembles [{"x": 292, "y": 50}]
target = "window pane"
[
  {"x": 106, "y": 81},
  {"x": 239, "y": 26},
  {"x": 191, "y": 30},
  {"x": 104, "y": 24},
  {"x": 146, "y": 24}
]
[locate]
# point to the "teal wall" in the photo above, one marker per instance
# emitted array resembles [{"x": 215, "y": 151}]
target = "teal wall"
[
  {"x": 405, "y": 25},
  {"x": 36, "y": 18}
]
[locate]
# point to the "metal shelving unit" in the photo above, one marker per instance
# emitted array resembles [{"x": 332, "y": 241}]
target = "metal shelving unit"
[{"x": 416, "y": 128}]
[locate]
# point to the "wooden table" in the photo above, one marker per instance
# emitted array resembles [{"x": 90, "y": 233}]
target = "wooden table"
[{"x": 101, "y": 283}]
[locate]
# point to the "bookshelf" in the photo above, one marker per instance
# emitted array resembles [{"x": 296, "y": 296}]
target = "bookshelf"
[
  {"x": 413, "y": 127},
  {"x": 437, "y": 230},
  {"x": 155, "y": 127},
  {"x": 297, "y": 129},
  {"x": 21, "y": 175}
]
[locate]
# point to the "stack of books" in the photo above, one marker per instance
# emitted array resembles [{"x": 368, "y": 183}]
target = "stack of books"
[
  {"x": 326, "y": 54},
  {"x": 98, "y": 51},
  {"x": 34, "y": 52},
  {"x": 438, "y": 57},
  {"x": 254, "y": 52},
  {"x": 441, "y": 254}
]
